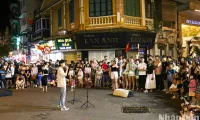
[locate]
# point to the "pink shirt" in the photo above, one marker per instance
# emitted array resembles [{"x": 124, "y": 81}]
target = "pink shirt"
[{"x": 192, "y": 85}]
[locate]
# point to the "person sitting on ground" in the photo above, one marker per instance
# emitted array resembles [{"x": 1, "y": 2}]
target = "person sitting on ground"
[
  {"x": 20, "y": 82},
  {"x": 186, "y": 114},
  {"x": 173, "y": 89}
]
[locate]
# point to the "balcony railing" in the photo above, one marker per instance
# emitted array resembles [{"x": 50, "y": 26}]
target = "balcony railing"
[
  {"x": 132, "y": 20},
  {"x": 41, "y": 33},
  {"x": 102, "y": 20}
]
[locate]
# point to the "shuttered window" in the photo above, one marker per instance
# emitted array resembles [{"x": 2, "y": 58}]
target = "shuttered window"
[
  {"x": 132, "y": 8},
  {"x": 100, "y": 8},
  {"x": 59, "y": 17}
]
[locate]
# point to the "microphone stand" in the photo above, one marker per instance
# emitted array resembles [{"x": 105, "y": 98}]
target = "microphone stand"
[{"x": 87, "y": 102}]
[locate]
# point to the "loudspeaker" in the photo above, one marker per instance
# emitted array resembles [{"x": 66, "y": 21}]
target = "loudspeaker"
[{"x": 5, "y": 93}]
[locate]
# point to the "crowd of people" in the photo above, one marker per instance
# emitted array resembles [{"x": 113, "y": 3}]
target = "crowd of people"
[{"x": 179, "y": 78}]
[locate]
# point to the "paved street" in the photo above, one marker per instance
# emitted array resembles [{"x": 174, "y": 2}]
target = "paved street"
[{"x": 31, "y": 104}]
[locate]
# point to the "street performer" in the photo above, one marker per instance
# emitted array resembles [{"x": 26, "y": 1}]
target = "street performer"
[{"x": 61, "y": 83}]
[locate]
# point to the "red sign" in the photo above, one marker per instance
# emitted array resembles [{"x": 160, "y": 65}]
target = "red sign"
[{"x": 46, "y": 50}]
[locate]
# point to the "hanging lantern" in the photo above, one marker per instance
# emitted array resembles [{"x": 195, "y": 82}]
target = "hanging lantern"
[{"x": 30, "y": 21}]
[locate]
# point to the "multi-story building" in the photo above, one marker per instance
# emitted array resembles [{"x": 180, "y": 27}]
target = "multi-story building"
[
  {"x": 167, "y": 29},
  {"x": 94, "y": 28},
  {"x": 27, "y": 8},
  {"x": 189, "y": 26}
]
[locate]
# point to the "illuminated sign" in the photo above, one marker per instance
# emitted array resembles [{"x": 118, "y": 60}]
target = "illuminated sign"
[
  {"x": 65, "y": 44},
  {"x": 193, "y": 22},
  {"x": 51, "y": 43}
]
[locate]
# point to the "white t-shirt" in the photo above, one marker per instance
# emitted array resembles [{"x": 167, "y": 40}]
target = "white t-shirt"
[
  {"x": 173, "y": 86},
  {"x": 99, "y": 73},
  {"x": 71, "y": 73},
  {"x": 142, "y": 66}
]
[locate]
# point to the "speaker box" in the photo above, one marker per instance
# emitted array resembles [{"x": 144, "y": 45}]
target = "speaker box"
[{"x": 121, "y": 93}]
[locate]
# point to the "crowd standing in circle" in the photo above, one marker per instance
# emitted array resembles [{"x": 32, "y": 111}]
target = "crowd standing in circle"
[{"x": 178, "y": 78}]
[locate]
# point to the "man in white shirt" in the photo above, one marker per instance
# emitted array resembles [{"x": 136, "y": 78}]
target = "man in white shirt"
[
  {"x": 142, "y": 67},
  {"x": 61, "y": 82}
]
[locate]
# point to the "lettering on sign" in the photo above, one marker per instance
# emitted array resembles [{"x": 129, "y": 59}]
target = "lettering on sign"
[
  {"x": 193, "y": 22},
  {"x": 102, "y": 41},
  {"x": 64, "y": 44}
]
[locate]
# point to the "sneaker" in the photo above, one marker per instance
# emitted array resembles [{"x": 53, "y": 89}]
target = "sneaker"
[
  {"x": 64, "y": 109},
  {"x": 164, "y": 90},
  {"x": 146, "y": 91}
]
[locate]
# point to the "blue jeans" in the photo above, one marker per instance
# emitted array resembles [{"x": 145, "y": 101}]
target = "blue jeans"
[{"x": 63, "y": 94}]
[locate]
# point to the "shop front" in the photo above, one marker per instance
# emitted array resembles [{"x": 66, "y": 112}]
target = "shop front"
[
  {"x": 67, "y": 47},
  {"x": 112, "y": 44}
]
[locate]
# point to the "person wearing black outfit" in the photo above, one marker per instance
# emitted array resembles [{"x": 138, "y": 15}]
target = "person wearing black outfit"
[
  {"x": 164, "y": 72},
  {"x": 45, "y": 77}
]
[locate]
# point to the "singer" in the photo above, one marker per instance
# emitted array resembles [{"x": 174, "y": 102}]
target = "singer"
[{"x": 61, "y": 82}]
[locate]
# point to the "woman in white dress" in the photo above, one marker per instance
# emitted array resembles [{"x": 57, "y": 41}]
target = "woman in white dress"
[{"x": 150, "y": 80}]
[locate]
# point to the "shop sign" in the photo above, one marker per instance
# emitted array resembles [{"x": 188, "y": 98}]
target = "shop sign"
[
  {"x": 51, "y": 44},
  {"x": 144, "y": 39},
  {"x": 114, "y": 40},
  {"x": 65, "y": 44},
  {"x": 193, "y": 22},
  {"x": 100, "y": 40}
]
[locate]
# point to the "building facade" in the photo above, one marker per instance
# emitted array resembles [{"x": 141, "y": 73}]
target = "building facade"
[
  {"x": 166, "y": 37},
  {"x": 189, "y": 26},
  {"x": 87, "y": 29}
]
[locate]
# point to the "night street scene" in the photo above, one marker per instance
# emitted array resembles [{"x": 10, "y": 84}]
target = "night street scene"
[{"x": 100, "y": 60}]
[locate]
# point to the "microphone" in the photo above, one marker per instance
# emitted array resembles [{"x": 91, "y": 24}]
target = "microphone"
[{"x": 65, "y": 69}]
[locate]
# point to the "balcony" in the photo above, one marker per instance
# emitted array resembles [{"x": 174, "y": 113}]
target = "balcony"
[
  {"x": 111, "y": 22},
  {"x": 43, "y": 33},
  {"x": 103, "y": 20},
  {"x": 131, "y": 20}
]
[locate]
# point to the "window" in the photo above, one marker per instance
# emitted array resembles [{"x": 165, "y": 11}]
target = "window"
[
  {"x": 71, "y": 9},
  {"x": 132, "y": 8},
  {"x": 48, "y": 23},
  {"x": 59, "y": 17},
  {"x": 148, "y": 9},
  {"x": 100, "y": 8},
  {"x": 44, "y": 23}
]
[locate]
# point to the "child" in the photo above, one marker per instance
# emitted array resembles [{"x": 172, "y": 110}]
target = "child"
[
  {"x": 28, "y": 76},
  {"x": 87, "y": 72},
  {"x": 192, "y": 87},
  {"x": 80, "y": 77},
  {"x": 173, "y": 88},
  {"x": 71, "y": 74},
  {"x": 40, "y": 79},
  {"x": 99, "y": 74},
  {"x": 20, "y": 81},
  {"x": 186, "y": 114}
]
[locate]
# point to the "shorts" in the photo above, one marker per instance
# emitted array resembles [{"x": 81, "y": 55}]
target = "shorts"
[
  {"x": 192, "y": 94},
  {"x": 114, "y": 75},
  {"x": 131, "y": 73}
]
